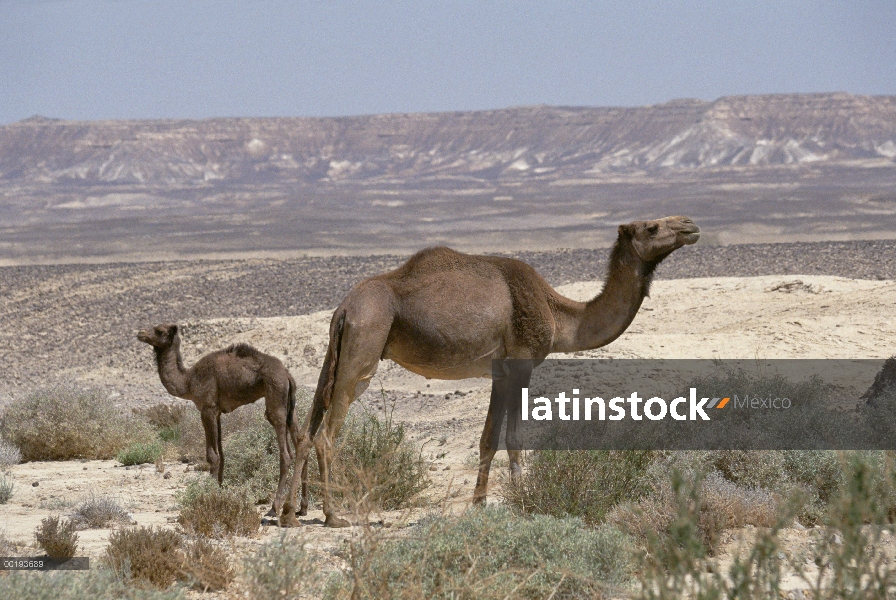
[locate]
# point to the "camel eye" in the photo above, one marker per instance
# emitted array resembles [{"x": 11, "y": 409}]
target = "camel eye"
[{"x": 653, "y": 229}]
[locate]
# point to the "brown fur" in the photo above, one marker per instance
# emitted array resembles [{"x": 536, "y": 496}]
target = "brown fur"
[
  {"x": 448, "y": 315},
  {"x": 222, "y": 381}
]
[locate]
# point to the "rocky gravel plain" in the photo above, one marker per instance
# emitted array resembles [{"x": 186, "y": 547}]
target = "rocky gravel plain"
[{"x": 60, "y": 319}]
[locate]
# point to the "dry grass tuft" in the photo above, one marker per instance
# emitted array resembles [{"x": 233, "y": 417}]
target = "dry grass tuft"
[
  {"x": 7, "y": 487},
  {"x": 282, "y": 568},
  {"x": 57, "y": 538},
  {"x": 99, "y": 512},
  {"x": 9, "y": 455},
  {"x": 7, "y": 546}
]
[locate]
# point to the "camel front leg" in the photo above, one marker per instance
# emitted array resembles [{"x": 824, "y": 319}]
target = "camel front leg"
[
  {"x": 211, "y": 421},
  {"x": 486, "y": 454},
  {"x": 519, "y": 374},
  {"x": 508, "y": 378}
]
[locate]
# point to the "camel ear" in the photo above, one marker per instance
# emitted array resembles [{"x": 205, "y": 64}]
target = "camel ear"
[
  {"x": 173, "y": 330},
  {"x": 625, "y": 230}
]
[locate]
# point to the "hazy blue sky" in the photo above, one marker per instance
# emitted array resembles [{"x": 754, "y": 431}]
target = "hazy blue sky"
[{"x": 102, "y": 59}]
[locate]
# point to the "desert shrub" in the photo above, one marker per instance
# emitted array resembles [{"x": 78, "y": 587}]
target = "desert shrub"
[
  {"x": 849, "y": 551},
  {"x": 98, "y": 512},
  {"x": 146, "y": 555},
  {"x": 206, "y": 566},
  {"x": 57, "y": 537},
  {"x": 674, "y": 564},
  {"x": 853, "y": 559},
  {"x": 65, "y": 423},
  {"x": 189, "y": 437},
  {"x": 95, "y": 584},
  {"x": 164, "y": 417},
  {"x": 7, "y": 487},
  {"x": 212, "y": 511},
  {"x": 488, "y": 553},
  {"x": 582, "y": 483},
  {"x": 140, "y": 453},
  {"x": 9, "y": 455},
  {"x": 718, "y": 503},
  {"x": 374, "y": 461},
  {"x": 281, "y": 568},
  {"x": 160, "y": 557},
  {"x": 252, "y": 458}
]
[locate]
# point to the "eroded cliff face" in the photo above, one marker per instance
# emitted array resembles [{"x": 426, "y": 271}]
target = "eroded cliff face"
[
  {"x": 751, "y": 168},
  {"x": 516, "y": 143}
]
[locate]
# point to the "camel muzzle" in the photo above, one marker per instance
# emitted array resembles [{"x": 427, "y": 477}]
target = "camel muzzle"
[{"x": 691, "y": 237}]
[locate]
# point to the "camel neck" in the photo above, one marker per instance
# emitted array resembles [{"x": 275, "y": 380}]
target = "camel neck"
[
  {"x": 604, "y": 318},
  {"x": 171, "y": 369}
]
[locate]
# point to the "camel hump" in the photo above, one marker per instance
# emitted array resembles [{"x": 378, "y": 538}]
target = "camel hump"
[
  {"x": 242, "y": 350},
  {"x": 438, "y": 261}
]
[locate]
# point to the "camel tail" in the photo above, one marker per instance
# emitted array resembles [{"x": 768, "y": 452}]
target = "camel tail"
[
  {"x": 324, "y": 391},
  {"x": 291, "y": 407}
]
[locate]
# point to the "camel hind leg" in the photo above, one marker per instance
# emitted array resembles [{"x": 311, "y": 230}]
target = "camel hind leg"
[
  {"x": 276, "y": 410},
  {"x": 358, "y": 334}
]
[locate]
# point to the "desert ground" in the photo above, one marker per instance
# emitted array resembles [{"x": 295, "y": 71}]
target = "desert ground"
[{"x": 77, "y": 324}]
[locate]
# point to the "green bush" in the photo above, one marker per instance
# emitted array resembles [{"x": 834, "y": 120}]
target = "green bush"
[
  {"x": 57, "y": 538},
  {"x": 95, "y": 584},
  {"x": 374, "y": 461},
  {"x": 66, "y": 423},
  {"x": 581, "y": 483},
  {"x": 140, "y": 453},
  {"x": 488, "y": 553},
  {"x": 252, "y": 458}
]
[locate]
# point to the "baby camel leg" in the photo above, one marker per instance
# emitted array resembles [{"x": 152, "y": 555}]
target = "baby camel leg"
[{"x": 211, "y": 423}]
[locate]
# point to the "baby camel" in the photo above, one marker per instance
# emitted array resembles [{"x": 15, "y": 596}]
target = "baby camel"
[{"x": 222, "y": 381}]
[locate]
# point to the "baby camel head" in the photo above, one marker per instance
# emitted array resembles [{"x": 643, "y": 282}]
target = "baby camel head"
[
  {"x": 160, "y": 336},
  {"x": 655, "y": 240}
]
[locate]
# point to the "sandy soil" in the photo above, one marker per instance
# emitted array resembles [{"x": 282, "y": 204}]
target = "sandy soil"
[{"x": 764, "y": 317}]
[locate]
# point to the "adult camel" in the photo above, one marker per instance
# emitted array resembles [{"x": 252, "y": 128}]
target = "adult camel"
[{"x": 448, "y": 315}]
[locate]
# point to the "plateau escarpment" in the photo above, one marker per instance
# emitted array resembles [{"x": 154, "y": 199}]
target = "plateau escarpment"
[{"x": 781, "y": 164}]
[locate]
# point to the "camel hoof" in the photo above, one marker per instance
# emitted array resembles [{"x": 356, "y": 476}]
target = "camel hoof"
[
  {"x": 288, "y": 519},
  {"x": 478, "y": 500},
  {"x": 271, "y": 513},
  {"x": 333, "y": 521},
  {"x": 302, "y": 511}
]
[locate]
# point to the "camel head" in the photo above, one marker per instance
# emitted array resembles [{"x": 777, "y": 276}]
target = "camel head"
[
  {"x": 655, "y": 240},
  {"x": 160, "y": 336}
]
